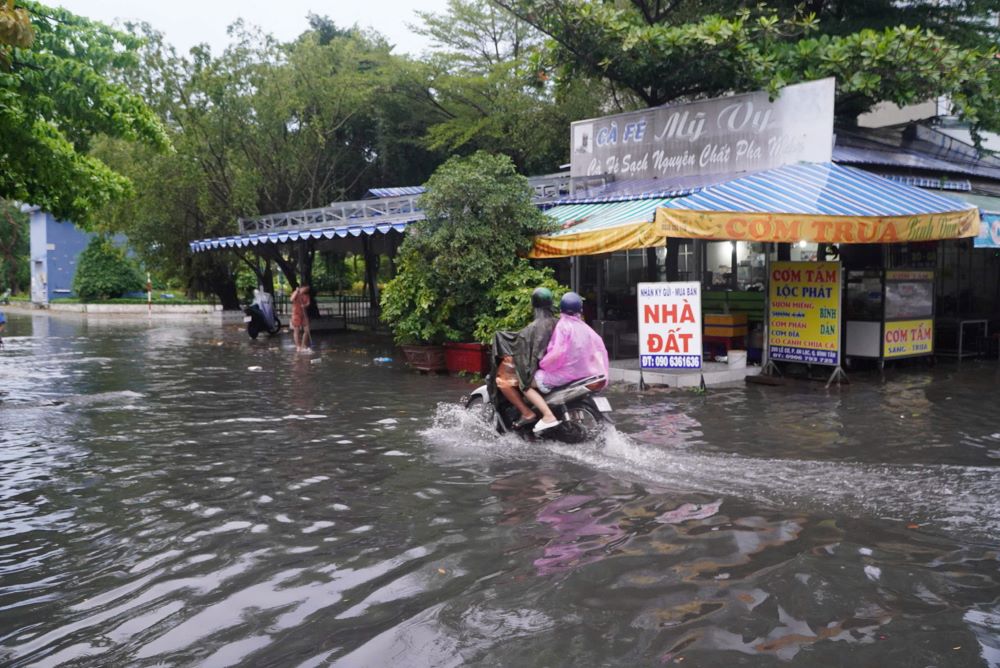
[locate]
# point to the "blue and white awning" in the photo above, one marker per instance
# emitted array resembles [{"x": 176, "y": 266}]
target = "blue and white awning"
[
  {"x": 283, "y": 236},
  {"x": 820, "y": 202},
  {"x": 402, "y": 191}
]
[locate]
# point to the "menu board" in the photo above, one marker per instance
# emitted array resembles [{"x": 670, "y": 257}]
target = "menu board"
[
  {"x": 909, "y": 295},
  {"x": 909, "y": 314},
  {"x": 804, "y": 312}
]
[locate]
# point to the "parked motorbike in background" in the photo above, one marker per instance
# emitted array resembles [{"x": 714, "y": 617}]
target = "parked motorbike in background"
[
  {"x": 260, "y": 317},
  {"x": 581, "y": 411}
]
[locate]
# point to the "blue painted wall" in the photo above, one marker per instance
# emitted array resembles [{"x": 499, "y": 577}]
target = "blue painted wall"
[{"x": 55, "y": 250}]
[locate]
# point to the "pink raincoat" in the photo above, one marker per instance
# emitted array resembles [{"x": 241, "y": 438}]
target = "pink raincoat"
[{"x": 575, "y": 351}]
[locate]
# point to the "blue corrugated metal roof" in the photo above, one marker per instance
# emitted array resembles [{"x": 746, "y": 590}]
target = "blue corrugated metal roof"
[
  {"x": 865, "y": 156},
  {"x": 818, "y": 189},
  {"x": 622, "y": 191}
]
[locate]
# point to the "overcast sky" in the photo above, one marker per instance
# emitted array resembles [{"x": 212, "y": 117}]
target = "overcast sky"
[{"x": 189, "y": 22}]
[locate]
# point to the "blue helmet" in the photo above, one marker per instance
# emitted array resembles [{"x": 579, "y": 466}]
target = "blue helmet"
[{"x": 571, "y": 303}]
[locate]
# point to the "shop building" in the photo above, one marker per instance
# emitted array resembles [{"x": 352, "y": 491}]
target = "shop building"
[{"x": 713, "y": 192}]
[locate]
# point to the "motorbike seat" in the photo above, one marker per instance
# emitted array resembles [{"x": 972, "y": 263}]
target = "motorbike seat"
[{"x": 592, "y": 383}]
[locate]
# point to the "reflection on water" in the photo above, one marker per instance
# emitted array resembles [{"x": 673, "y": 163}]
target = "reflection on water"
[{"x": 162, "y": 504}]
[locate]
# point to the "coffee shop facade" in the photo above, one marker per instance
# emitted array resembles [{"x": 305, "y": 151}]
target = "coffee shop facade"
[{"x": 716, "y": 191}]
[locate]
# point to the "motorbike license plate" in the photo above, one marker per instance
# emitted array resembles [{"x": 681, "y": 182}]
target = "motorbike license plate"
[
  {"x": 603, "y": 404},
  {"x": 247, "y": 318}
]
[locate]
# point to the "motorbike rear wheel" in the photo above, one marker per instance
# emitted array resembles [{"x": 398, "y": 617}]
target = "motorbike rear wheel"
[
  {"x": 582, "y": 423},
  {"x": 483, "y": 409}
]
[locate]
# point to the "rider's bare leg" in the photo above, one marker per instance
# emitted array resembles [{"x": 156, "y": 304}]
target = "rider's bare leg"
[
  {"x": 513, "y": 395},
  {"x": 535, "y": 397}
]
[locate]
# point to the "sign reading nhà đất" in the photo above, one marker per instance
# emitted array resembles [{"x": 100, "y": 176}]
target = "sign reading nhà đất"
[
  {"x": 804, "y": 312},
  {"x": 739, "y": 133},
  {"x": 669, "y": 325}
]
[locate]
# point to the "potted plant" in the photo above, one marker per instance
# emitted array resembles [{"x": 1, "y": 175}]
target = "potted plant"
[
  {"x": 480, "y": 221},
  {"x": 408, "y": 307}
]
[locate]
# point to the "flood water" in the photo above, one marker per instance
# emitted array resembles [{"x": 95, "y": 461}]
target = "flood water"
[{"x": 163, "y": 504}]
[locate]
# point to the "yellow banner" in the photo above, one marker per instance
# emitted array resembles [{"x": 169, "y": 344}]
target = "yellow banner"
[
  {"x": 804, "y": 312},
  {"x": 622, "y": 237},
  {"x": 907, "y": 338},
  {"x": 790, "y": 227}
]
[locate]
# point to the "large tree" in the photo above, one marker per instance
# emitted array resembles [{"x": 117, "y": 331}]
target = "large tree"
[
  {"x": 58, "y": 90},
  {"x": 683, "y": 49},
  {"x": 262, "y": 128},
  {"x": 486, "y": 88}
]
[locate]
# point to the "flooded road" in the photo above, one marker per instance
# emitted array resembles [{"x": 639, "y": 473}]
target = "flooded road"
[{"x": 162, "y": 504}]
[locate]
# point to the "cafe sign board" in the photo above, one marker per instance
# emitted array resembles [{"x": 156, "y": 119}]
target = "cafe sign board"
[
  {"x": 739, "y": 133},
  {"x": 669, "y": 325},
  {"x": 804, "y": 312}
]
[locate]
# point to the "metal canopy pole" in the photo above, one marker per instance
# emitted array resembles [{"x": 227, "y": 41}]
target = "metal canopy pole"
[{"x": 769, "y": 368}]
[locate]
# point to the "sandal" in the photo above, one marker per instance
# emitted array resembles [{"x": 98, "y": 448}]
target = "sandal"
[
  {"x": 542, "y": 425},
  {"x": 522, "y": 421}
]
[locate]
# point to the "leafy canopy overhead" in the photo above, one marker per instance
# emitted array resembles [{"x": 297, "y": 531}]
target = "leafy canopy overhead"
[
  {"x": 58, "y": 90},
  {"x": 665, "y": 51}
]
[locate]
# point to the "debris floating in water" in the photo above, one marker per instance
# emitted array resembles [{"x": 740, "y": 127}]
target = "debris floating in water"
[
  {"x": 255, "y": 368},
  {"x": 382, "y": 360}
]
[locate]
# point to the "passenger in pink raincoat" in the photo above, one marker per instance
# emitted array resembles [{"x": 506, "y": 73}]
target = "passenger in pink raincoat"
[{"x": 575, "y": 350}]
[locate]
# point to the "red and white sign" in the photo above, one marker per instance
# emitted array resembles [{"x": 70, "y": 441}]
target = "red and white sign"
[{"x": 669, "y": 325}]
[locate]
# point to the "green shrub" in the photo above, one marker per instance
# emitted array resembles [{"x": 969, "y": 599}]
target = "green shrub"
[
  {"x": 509, "y": 302},
  {"x": 480, "y": 219},
  {"x": 104, "y": 272}
]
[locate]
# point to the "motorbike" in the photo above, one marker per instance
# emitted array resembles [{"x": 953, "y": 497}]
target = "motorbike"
[
  {"x": 577, "y": 405},
  {"x": 260, "y": 317}
]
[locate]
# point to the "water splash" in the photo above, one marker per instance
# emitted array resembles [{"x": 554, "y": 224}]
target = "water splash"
[{"x": 938, "y": 497}]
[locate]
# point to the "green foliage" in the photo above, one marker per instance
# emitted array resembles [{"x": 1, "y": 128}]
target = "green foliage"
[
  {"x": 480, "y": 218},
  {"x": 263, "y": 127},
  {"x": 104, "y": 272},
  {"x": 58, "y": 91},
  {"x": 488, "y": 91},
  {"x": 508, "y": 303},
  {"x": 662, "y": 52},
  {"x": 15, "y": 230}
]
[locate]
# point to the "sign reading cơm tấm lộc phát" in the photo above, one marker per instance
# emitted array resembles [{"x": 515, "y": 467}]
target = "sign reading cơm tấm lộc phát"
[
  {"x": 804, "y": 312},
  {"x": 739, "y": 133}
]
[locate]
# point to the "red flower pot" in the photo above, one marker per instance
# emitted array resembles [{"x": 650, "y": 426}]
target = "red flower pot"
[
  {"x": 425, "y": 358},
  {"x": 467, "y": 357}
]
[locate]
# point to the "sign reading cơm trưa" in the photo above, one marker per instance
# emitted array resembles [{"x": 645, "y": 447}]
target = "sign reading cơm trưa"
[
  {"x": 804, "y": 312},
  {"x": 669, "y": 325}
]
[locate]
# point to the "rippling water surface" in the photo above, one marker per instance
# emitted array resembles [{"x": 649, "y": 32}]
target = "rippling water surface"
[{"x": 163, "y": 504}]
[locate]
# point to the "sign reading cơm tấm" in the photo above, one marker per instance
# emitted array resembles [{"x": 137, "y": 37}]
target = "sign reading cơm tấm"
[{"x": 804, "y": 312}]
